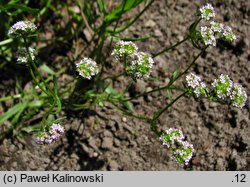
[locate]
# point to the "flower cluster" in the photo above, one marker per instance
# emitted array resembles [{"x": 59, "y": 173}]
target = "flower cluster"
[
  {"x": 181, "y": 150},
  {"x": 197, "y": 86},
  {"x": 141, "y": 65},
  {"x": 238, "y": 96},
  {"x": 216, "y": 27},
  {"x": 87, "y": 68},
  {"x": 213, "y": 30},
  {"x": 208, "y": 36},
  {"x": 22, "y": 28},
  {"x": 207, "y": 12},
  {"x": 223, "y": 86},
  {"x": 137, "y": 64},
  {"x": 228, "y": 91},
  {"x": 123, "y": 49},
  {"x": 223, "y": 89},
  {"x": 56, "y": 130},
  {"x": 228, "y": 34},
  {"x": 23, "y": 55}
]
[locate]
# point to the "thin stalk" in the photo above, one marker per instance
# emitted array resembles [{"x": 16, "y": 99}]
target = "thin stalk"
[
  {"x": 36, "y": 69},
  {"x": 113, "y": 77},
  {"x": 134, "y": 20},
  {"x": 161, "y": 111},
  {"x": 47, "y": 113},
  {"x": 171, "y": 47},
  {"x": 131, "y": 114},
  {"x": 36, "y": 81},
  {"x": 10, "y": 97},
  {"x": 111, "y": 41},
  {"x": 84, "y": 17},
  {"x": 192, "y": 63}
]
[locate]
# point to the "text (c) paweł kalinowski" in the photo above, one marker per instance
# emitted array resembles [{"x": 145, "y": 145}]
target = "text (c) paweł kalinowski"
[{"x": 61, "y": 178}]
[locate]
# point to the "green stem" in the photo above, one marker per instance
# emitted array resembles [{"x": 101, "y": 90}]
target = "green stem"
[
  {"x": 37, "y": 71},
  {"x": 10, "y": 97},
  {"x": 171, "y": 47},
  {"x": 47, "y": 114},
  {"x": 36, "y": 81},
  {"x": 192, "y": 63},
  {"x": 161, "y": 111},
  {"x": 114, "y": 77},
  {"x": 170, "y": 83},
  {"x": 130, "y": 114},
  {"x": 134, "y": 20},
  {"x": 47, "y": 90},
  {"x": 111, "y": 41}
]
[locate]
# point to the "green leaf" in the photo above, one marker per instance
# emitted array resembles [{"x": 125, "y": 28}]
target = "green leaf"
[
  {"x": 58, "y": 101},
  {"x": 59, "y": 120},
  {"x": 31, "y": 129},
  {"x": 175, "y": 75},
  {"x": 19, "y": 113},
  {"x": 35, "y": 104},
  {"x": 85, "y": 6},
  {"x": 102, "y": 6},
  {"x": 193, "y": 26},
  {"x": 115, "y": 94},
  {"x": 4, "y": 42},
  {"x": 47, "y": 69},
  {"x": 131, "y": 21},
  {"x": 14, "y": 5},
  {"x": 12, "y": 111},
  {"x": 112, "y": 91},
  {"x": 129, "y": 106},
  {"x": 122, "y": 8},
  {"x": 169, "y": 95}
]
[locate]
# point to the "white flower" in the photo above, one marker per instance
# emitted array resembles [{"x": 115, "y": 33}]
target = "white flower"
[
  {"x": 22, "y": 28},
  {"x": 23, "y": 56},
  {"x": 226, "y": 90},
  {"x": 207, "y": 12},
  {"x": 170, "y": 136},
  {"x": 87, "y": 68},
  {"x": 223, "y": 87},
  {"x": 141, "y": 65},
  {"x": 194, "y": 81},
  {"x": 181, "y": 150},
  {"x": 124, "y": 48},
  {"x": 216, "y": 27},
  {"x": 55, "y": 131},
  {"x": 208, "y": 36},
  {"x": 228, "y": 34},
  {"x": 238, "y": 96}
]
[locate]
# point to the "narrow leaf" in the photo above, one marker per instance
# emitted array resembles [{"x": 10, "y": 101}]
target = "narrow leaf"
[
  {"x": 11, "y": 112},
  {"x": 122, "y": 8},
  {"x": 47, "y": 69}
]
